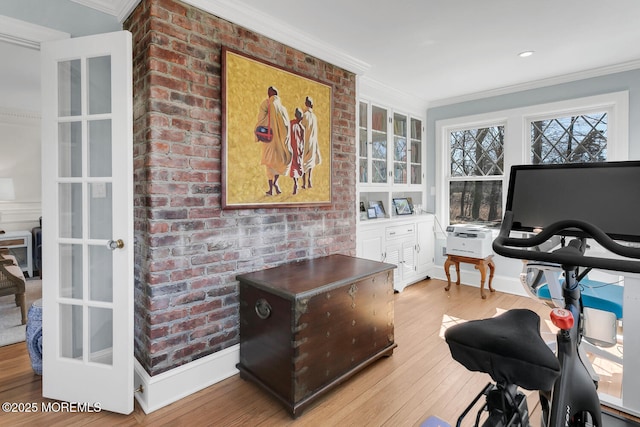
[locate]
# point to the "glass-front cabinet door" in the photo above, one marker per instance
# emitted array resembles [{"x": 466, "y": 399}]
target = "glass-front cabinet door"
[
  {"x": 372, "y": 145},
  {"x": 400, "y": 149},
  {"x": 363, "y": 143},
  {"x": 415, "y": 151},
  {"x": 379, "y": 144}
]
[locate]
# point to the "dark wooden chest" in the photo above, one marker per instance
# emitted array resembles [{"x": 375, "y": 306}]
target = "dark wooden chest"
[{"x": 307, "y": 326}]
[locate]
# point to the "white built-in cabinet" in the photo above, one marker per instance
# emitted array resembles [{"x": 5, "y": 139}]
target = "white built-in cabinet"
[
  {"x": 406, "y": 242},
  {"x": 391, "y": 165}
]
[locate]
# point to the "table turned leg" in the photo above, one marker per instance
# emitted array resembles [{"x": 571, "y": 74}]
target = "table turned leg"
[
  {"x": 492, "y": 269},
  {"x": 447, "y": 264},
  {"x": 483, "y": 275}
]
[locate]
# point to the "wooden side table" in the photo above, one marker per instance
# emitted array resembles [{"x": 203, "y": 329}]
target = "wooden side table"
[{"x": 479, "y": 263}]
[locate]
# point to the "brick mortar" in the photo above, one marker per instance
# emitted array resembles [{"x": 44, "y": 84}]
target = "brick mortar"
[{"x": 188, "y": 250}]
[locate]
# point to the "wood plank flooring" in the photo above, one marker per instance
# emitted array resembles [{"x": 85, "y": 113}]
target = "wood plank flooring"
[{"x": 419, "y": 380}]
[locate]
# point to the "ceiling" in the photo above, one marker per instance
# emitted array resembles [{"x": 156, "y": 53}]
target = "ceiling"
[
  {"x": 442, "y": 49},
  {"x": 439, "y": 51}
]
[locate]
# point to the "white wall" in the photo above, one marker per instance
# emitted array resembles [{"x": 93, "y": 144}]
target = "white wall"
[
  {"x": 26, "y": 23},
  {"x": 20, "y": 160}
]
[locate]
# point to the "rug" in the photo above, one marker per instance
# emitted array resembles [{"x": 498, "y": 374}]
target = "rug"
[{"x": 11, "y": 331}]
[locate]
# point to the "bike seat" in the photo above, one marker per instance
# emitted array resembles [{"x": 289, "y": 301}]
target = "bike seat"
[{"x": 508, "y": 347}]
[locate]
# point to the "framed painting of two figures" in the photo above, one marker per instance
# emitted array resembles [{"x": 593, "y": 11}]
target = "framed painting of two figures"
[{"x": 276, "y": 149}]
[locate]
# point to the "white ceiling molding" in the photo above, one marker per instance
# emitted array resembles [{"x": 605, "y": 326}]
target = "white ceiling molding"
[
  {"x": 118, "y": 8},
  {"x": 596, "y": 72},
  {"x": 280, "y": 31},
  {"x": 374, "y": 90},
  {"x": 27, "y": 34}
]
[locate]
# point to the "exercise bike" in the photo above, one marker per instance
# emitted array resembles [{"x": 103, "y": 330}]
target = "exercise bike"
[{"x": 509, "y": 347}]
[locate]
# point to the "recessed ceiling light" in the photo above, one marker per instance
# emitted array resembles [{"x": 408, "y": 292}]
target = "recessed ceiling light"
[{"x": 525, "y": 53}]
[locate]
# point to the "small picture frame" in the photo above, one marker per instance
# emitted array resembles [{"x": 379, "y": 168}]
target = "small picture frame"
[
  {"x": 379, "y": 207},
  {"x": 371, "y": 213},
  {"x": 403, "y": 206}
]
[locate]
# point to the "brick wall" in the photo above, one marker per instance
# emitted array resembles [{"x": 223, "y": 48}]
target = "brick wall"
[{"x": 189, "y": 250}]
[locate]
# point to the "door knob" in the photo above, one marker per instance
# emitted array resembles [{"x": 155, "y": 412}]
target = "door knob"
[{"x": 115, "y": 244}]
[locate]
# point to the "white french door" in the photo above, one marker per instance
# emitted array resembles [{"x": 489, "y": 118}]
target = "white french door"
[{"x": 87, "y": 204}]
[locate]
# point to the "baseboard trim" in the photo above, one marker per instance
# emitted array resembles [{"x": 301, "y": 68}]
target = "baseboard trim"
[
  {"x": 506, "y": 284},
  {"x": 161, "y": 390}
]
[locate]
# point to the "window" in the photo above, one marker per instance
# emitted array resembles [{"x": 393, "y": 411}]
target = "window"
[
  {"x": 477, "y": 168},
  {"x": 569, "y": 139},
  {"x": 475, "y": 153}
]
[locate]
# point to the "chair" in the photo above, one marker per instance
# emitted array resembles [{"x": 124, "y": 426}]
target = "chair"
[{"x": 12, "y": 282}]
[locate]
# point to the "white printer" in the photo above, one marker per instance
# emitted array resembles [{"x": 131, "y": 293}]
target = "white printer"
[{"x": 469, "y": 240}]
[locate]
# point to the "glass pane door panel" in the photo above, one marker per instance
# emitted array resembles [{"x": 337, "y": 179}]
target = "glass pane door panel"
[
  {"x": 416, "y": 152},
  {"x": 99, "y": 88},
  {"x": 379, "y": 171},
  {"x": 100, "y": 273},
  {"x": 99, "y": 148},
  {"x": 400, "y": 149},
  {"x": 70, "y": 204},
  {"x": 400, "y": 173},
  {"x": 69, "y": 88},
  {"x": 363, "y": 115},
  {"x": 70, "y": 149},
  {"x": 101, "y": 335},
  {"x": 100, "y": 224},
  {"x": 379, "y": 119},
  {"x": 71, "y": 271},
  {"x": 400, "y": 125},
  {"x": 379, "y": 147},
  {"x": 363, "y": 170},
  {"x": 363, "y": 143},
  {"x": 416, "y": 129},
  {"x": 71, "y": 321},
  {"x": 416, "y": 174}
]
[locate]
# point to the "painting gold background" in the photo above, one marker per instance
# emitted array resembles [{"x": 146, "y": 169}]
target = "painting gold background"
[{"x": 246, "y": 84}]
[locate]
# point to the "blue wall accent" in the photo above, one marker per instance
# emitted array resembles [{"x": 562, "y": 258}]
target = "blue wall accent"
[{"x": 616, "y": 82}]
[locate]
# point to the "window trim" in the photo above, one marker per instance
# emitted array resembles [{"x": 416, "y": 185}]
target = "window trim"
[{"x": 517, "y": 123}]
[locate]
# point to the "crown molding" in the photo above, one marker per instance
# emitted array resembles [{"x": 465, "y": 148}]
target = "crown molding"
[
  {"x": 280, "y": 31},
  {"x": 118, "y": 8},
  {"x": 374, "y": 90},
  {"x": 537, "y": 84},
  {"x": 26, "y": 34}
]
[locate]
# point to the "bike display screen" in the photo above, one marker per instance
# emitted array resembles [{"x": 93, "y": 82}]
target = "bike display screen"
[{"x": 607, "y": 195}]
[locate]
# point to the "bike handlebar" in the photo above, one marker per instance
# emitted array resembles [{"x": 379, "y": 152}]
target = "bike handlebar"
[{"x": 505, "y": 246}]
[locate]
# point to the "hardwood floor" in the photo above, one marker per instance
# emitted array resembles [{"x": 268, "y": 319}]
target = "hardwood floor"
[{"x": 419, "y": 380}]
